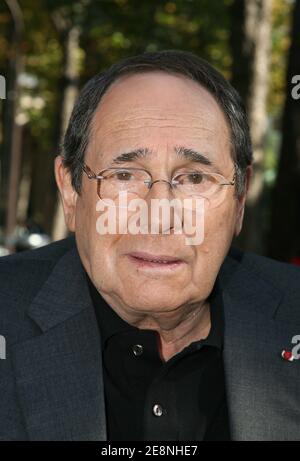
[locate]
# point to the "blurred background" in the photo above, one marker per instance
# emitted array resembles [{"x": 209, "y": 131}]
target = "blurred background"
[{"x": 50, "y": 48}]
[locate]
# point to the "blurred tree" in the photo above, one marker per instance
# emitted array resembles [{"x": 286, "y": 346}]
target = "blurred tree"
[
  {"x": 250, "y": 43},
  {"x": 68, "y": 21},
  {"x": 36, "y": 103},
  {"x": 13, "y": 127},
  {"x": 284, "y": 238}
]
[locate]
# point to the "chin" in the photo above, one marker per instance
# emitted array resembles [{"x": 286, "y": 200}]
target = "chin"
[{"x": 154, "y": 303}]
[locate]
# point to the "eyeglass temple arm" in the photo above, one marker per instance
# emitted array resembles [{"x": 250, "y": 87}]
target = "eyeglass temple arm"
[
  {"x": 230, "y": 183},
  {"x": 90, "y": 174},
  {"x": 88, "y": 171}
]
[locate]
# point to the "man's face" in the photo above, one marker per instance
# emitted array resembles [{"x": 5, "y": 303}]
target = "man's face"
[{"x": 159, "y": 112}]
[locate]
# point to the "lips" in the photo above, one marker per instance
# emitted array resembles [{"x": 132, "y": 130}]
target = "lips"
[
  {"x": 148, "y": 261},
  {"x": 158, "y": 259}
]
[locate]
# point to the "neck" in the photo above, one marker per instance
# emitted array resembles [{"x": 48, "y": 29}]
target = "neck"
[
  {"x": 176, "y": 329},
  {"x": 195, "y": 327}
]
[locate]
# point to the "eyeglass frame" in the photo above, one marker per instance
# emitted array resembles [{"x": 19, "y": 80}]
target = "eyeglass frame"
[{"x": 92, "y": 175}]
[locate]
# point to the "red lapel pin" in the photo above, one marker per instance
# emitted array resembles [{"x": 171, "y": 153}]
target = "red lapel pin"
[{"x": 287, "y": 355}]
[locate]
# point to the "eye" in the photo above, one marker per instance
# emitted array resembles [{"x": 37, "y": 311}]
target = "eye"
[
  {"x": 190, "y": 178},
  {"x": 123, "y": 175},
  {"x": 194, "y": 178}
]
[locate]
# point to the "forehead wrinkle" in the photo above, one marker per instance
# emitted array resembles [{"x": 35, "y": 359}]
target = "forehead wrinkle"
[
  {"x": 134, "y": 112},
  {"x": 163, "y": 118},
  {"x": 120, "y": 118},
  {"x": 123, "y": 127},
  {"x": 117, "y": 118},
  {"x": 107, "y": 122}
]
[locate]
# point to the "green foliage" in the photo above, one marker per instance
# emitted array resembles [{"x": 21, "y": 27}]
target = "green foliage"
[
  {"x": 112, "y": 29},
  {"x": 281, "y": 19}
]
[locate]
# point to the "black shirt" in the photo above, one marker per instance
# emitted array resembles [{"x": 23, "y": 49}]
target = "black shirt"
[{"x": 149, "y": 399}]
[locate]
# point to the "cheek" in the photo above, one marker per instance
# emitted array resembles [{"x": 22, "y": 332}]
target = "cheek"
[
  {"x": 221, "y": 220},
  {"x": 219, "y": 227},
  {"x": 218, "y": 233},
  {"x": 97, "y": 252}
]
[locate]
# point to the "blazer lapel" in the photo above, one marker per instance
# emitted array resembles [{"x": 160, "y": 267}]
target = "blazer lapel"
[
  {"x": 59, "y": 372},
  {"x": 263, "y": 389}
]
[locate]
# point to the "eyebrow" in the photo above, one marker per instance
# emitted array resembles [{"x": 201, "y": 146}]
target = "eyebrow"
[
  {"x": 193, "y": 155},
  {"x": 181, "y": 151},
  {"x": 132, "y": 155}
]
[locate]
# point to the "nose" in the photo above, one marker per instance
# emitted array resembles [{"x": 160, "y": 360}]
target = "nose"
[
  {"x": 160, "y": 191},
  {"x": 161, "y": 213}
]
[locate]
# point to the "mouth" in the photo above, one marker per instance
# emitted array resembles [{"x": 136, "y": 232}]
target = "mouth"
[{"x": 160, "y": 262}]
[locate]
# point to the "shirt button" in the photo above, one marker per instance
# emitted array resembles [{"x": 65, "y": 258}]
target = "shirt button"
[
  {"x": 157, "y": 410},
  {"x": 137, "y": 349}
]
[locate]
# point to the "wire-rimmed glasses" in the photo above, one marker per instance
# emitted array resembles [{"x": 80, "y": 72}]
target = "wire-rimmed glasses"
[{"x": 136, "y": 182}]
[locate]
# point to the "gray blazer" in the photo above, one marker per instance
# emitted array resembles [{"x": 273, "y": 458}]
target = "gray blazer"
[{"x": 51, "y": 383}]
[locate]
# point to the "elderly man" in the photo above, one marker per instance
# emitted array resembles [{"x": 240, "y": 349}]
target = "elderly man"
[{"x": 115, "y": 334}]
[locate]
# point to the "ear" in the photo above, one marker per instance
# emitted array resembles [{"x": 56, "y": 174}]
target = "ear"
[
  {"x": 242, "y": 201},
  {"x": 67, "y": 193}
]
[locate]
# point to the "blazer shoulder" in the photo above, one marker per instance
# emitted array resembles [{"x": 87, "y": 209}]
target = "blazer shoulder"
[
  {"x": 22, "y": 275},
  {"x": 52, "y": 251},
  {"x": 281, "y": 274}
]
